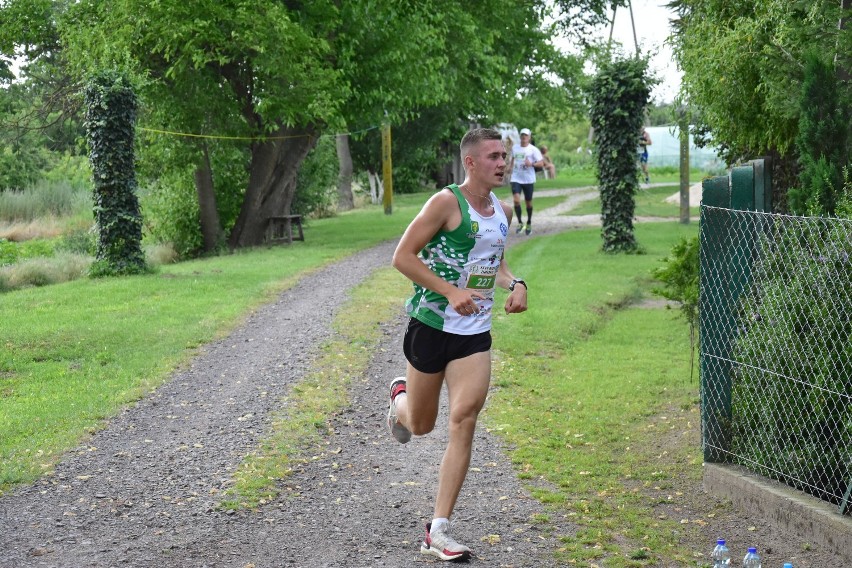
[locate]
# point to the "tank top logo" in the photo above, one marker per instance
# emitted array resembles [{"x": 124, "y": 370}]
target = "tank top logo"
[{"x": 474, "y": 230}]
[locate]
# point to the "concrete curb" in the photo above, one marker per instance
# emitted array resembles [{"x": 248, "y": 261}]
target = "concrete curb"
[{"x": 782, "y": 506}]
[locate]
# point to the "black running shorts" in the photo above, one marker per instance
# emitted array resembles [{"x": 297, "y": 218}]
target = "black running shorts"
[
  {"x": 526, "y": 188},
  {"x": 430, "y": 350}
]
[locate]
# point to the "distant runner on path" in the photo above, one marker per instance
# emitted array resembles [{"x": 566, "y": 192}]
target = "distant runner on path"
[
  {"x": 525, "y": 159},
  {"x": 453, "y": 253}
]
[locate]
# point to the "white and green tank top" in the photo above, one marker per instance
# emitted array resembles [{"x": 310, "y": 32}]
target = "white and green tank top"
[{"x": 468, "y": 257}]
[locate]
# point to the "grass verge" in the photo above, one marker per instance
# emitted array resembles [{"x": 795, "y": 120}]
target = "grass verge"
[
  {"x": 650, "y": 202},
  {"x": 587, "y": 385}
]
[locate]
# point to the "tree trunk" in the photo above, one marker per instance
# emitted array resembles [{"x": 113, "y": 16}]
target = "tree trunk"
[
  {"x": 211, "y": 231},
  {"x": 272, "y": 181},
  {"x": 345, "y": 201},
  {"x": 377, "y": 191}
]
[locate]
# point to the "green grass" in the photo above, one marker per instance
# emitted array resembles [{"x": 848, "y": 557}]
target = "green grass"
[
  {"x": 583, "y": 378},
  {"x": 74, "y": 353},
  {"x": 650, "y": 202}
]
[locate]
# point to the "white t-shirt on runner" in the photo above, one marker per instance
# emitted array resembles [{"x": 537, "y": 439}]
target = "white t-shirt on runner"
[{"x": 520, "y": 172}]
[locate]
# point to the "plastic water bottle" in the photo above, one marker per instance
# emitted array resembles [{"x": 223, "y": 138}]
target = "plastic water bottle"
[
  {"x": 751, "y": 560},
  {"x": 721, "y": 555}
]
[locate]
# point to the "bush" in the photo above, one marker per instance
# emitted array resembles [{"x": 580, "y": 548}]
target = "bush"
[
  {"x": 316, "y": 185},
  {"x": 82, "y": 242},
  {"x": 680, "y": 278},
  {"x": 790, "y": 414},
  {"x": 171, "y": 212},
  {"x": 12, "y": 252},
  {"x": 160, "y": 254}
]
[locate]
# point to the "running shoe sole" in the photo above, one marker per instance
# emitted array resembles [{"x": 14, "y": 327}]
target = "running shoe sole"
[
  {"x": 448, "y": 555},
  {"x": 461, "y": 557},
  {"x": 400, "y": 432}
]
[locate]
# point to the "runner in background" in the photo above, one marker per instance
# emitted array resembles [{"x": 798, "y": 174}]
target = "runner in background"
[
  {"x": 525, "y": 158},
  {"x": 644, "y": 142}
]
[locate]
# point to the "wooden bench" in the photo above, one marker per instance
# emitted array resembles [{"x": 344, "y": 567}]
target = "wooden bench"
[{"x": 280, "y": 228}]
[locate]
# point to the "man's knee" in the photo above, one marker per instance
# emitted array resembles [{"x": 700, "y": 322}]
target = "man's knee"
[
  {"x": 464, "y": 420},
  {"x": 420, "y": 426}
]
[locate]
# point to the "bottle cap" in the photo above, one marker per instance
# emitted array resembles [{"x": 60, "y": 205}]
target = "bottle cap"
[
  {"x": 752, "y": 549},
  {"x": 720, "y": 541}
]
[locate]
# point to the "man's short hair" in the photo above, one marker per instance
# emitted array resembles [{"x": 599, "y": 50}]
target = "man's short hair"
[{"x": 477, "y": 135}]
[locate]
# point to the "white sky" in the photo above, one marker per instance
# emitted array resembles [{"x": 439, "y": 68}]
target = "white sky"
[{"x": 652, "y": 29}]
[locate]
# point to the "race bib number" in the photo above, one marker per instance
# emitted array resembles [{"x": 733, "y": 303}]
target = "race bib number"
[{"x": 480, "y": 282}]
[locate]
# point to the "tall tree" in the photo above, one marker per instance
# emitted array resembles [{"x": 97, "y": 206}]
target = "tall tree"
[
  {"x": 619, "y": 94},
  {"x": 743, "y": 66}
]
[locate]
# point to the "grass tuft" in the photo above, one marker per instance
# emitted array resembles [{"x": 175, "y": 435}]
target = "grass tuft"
[{"x": 42, "y": 271}]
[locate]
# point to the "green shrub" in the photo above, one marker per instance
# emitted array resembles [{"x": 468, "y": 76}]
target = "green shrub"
[
  {"x": 316, "y": 186},
  {"x": 12, "y": 252},
  {"x": 78, "y": 241},
  {"x": 680, "y": 278},
  {"x": 791, "y": 415},
  {"x": 171, "y": 212}
]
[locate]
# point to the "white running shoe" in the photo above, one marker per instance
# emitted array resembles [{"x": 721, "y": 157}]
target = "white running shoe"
[
  {"x": 400, "y": 432},
  {"x": 439, "y": 543}
]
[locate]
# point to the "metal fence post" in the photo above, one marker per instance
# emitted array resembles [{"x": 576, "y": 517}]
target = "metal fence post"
[
  {"x": 762, "y": 184},
  {"x": 713, "y": 323}
]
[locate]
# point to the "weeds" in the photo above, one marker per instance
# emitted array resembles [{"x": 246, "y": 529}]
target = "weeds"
[
  {"x": 47, "y": 199},
  {"x": 42, "y": 271}
]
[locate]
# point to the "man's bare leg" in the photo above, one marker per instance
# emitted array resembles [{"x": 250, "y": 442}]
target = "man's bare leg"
[
  {"x": 467, "y": 387},
  {"x": 417, "y": 410}
]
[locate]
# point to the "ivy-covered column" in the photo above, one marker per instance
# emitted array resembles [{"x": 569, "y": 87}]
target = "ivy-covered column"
[
  {"x": 618, "y": 96},
  {"x": 110, "y": 121}
]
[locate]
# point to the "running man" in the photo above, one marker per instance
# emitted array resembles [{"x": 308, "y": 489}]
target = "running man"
[
  {"x": 525, "y": 159},
  {"x": 644, "y": 142},
  {"x": 453, "y": 253}
]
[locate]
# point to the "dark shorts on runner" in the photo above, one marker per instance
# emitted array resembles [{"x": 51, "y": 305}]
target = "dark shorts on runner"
[
  {"x": 527, "y": 188},
  {"x": 430, "y": 350}
]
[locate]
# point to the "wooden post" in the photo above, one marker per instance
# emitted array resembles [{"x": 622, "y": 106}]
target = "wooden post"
[
  {"x": 714, "y": 320},
  {"x": 683, "y": 126},
  {"x": 387, "y": 169}
]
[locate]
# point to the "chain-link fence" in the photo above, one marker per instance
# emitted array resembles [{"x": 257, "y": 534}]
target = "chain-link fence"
[{"x": 776, "y": 347}]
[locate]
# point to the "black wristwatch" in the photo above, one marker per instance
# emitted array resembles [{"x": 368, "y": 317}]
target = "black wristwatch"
[{"x": 517, "y": 281}]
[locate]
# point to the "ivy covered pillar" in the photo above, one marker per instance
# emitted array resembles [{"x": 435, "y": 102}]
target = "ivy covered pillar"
[
  {"x": 110, "y": 129},
  {"x": 618, "y": 94}
]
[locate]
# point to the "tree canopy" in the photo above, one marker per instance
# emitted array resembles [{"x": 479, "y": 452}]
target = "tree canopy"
[
  {"x": 743, "y": 65},
  {"x": 270, "y": 76}
]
